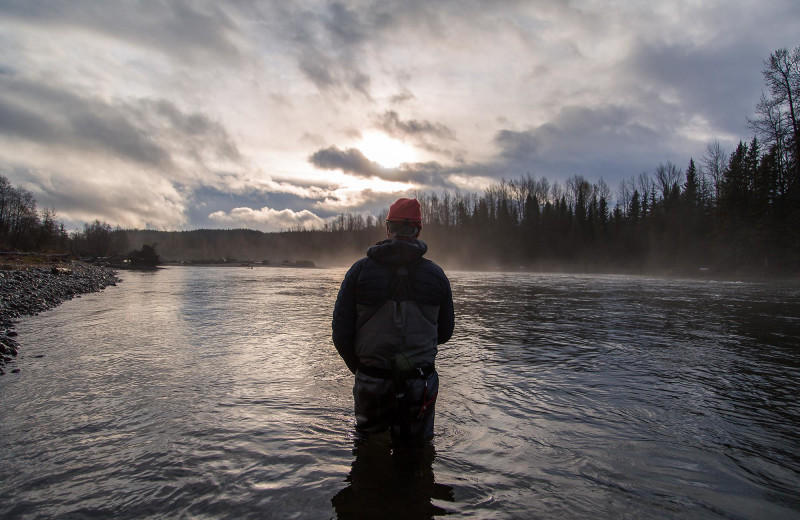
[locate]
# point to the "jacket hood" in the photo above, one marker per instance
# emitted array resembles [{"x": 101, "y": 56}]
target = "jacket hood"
[{"x": 397, "y": 252}]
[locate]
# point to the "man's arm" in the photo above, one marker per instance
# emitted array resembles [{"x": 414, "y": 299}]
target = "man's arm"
[
  {"x": 344, "y": 318},
  {"x": 447, "y": 319}
]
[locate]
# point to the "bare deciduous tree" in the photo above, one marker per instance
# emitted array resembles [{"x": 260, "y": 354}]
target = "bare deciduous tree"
[
  {"x": 625, "y": 194},
  {"x": 776, "y": 122},
  {"x": 668, "y": 176},
  {"x": 713, "y": 168}
]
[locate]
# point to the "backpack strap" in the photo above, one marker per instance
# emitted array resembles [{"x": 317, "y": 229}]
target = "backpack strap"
[{"x": 401, "y": 287}]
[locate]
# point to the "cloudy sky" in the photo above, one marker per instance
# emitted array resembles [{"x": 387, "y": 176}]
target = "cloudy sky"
[{"x": 180, "y": 114}]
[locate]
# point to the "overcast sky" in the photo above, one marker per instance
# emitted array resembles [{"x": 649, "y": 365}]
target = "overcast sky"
[{"x": 268, "y": 114}]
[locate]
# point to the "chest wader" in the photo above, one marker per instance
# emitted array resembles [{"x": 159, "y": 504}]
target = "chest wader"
[
  {"x": 410, "y": 377},
  {"x": 402, "y": 369}
]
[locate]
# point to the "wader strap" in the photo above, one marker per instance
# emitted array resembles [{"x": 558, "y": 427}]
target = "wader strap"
[
  {"x": 421, "y": 372},
  {"x": 401, "y": 287},
  {"x": 403, "y": 400}
]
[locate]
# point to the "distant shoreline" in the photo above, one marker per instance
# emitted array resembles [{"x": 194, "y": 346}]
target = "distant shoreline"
[
  {"x": 697, "y": 275},
  {"x": 299, "y": 265},
  {"x": 700, "y": 276},
  {"x": 26, "y": 290}
]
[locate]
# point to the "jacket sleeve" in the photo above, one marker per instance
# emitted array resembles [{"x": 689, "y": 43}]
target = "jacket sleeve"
[
  {"x": 344, "y": 318},
  {"x": 447, "y": 318}
]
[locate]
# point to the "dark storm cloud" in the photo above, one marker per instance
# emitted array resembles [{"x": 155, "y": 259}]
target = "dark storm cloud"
[
  {"x": 352, "y": 161},
  {"x": 44, "y": 115},
  {"x": 576, "y": 129},
  {"x": 430, "y": 174},
  {"x": 707, "y": 81},
  {"x": 517, "y": 146},
  {"x": 145, "y": 131},
  {"x": 391, "y": 123},
  {"x": 179, "y": 27},
  {"x": 349, "y": 161},
  {"x": 598, "y": 142}
]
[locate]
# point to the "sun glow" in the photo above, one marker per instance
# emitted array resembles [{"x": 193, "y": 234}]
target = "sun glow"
[{"x": 386, "y": 151}]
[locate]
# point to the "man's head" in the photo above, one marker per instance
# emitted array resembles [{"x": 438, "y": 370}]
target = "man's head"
[{"x": 404, "y": 220}]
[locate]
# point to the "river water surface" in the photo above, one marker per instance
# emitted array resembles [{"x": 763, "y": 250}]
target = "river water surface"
[{"x": 216, "y": 393}]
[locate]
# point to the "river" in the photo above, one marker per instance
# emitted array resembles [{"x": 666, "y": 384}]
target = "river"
[{"x": 215, "y": 392}]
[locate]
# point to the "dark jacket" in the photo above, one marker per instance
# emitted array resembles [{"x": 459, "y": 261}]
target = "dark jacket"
[{"x": 372, "y": 281}]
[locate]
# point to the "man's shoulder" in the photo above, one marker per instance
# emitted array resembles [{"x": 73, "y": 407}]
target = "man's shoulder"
[
  {"x": 355, "y": 269},
  {"x": 359, "y": 262},
  {"x": 366, "y": 270},
  {"x": 431, "y": 268}
]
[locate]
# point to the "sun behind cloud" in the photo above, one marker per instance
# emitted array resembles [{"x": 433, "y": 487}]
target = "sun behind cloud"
[{"x": 385, "y": 150}]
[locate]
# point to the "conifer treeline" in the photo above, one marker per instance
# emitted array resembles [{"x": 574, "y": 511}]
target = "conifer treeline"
[
  {"x": 736, "y": 213},
  {"x": 740, "y": 213}
]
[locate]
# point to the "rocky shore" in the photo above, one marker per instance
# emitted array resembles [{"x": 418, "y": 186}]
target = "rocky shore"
[{"x": 29, "y": 290}]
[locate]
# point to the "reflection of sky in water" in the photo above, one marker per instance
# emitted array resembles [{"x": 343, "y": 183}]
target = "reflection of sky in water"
[{"x": 217, "y": 392}]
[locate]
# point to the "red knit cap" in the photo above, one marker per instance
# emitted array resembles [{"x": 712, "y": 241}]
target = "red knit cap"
[{"x": 405, "y": 209}]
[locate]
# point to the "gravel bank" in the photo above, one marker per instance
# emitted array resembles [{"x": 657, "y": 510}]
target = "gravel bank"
[{"x": 26, "y": 291}]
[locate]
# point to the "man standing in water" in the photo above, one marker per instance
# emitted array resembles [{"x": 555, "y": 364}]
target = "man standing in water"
[{"x": 393, "y": 310}]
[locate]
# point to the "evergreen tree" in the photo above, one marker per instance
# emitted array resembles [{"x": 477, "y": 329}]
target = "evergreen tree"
[{"x": 691, "y": 187}]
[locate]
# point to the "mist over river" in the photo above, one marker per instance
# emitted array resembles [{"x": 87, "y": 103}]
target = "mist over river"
[{"x": 215, "y": 392}]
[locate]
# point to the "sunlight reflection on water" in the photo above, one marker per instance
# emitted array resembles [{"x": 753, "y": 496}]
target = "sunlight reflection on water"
[{"x": 216, "y": 392}]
